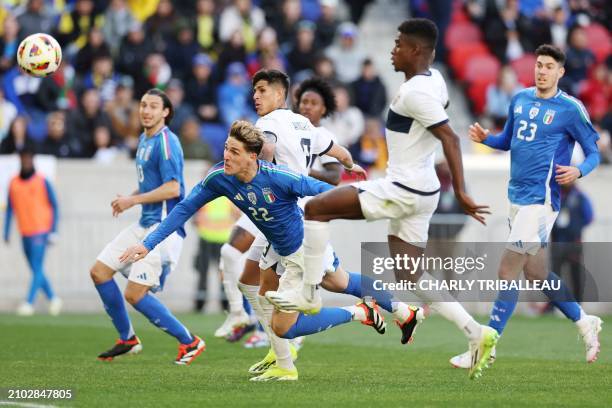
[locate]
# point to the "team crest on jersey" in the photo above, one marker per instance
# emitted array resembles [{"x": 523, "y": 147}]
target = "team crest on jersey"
[
  {"x": 518, "y": 110},
  {"x": 549, "y": 116},
  {"x": 533, "y": 112},
  {"x": 252, "y": 197},
  {"x": 268, "y": 195},
  {"x": 148, "y": 153}
]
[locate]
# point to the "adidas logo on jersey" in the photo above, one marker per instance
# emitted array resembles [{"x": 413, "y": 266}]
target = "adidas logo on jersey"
[{"x": 238, "y": 197}]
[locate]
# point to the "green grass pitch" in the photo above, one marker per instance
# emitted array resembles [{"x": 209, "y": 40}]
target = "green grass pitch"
[{"x": 540, "y": 363}]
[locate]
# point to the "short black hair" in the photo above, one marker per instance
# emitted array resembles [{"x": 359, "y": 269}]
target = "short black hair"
[
  {"x": 551, "y": 51},
  {"x": 166, "y": 101},
  {"x": 272, "y": 76},
  {"x": 321, "y": 87},
  {"x": 422, "y": 28}
]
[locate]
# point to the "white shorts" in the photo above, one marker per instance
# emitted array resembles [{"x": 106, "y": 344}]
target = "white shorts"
[
  {"x": 293, "y": 267},
  {"x": 530, "y": 227},
  {"x": 246, "y": 224},
  {"x": 151, "y": 270},
  {"x": 408, "y": 213},
  {"x": 263, "y": 252}
]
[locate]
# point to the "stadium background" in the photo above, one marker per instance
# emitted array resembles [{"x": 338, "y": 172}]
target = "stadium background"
[{"x": 83, "y": 116}]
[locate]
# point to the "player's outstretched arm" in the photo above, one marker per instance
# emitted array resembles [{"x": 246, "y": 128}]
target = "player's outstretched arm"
[
  {"x": 452, "y": 152},
  {"x": 331, "y": 173}
]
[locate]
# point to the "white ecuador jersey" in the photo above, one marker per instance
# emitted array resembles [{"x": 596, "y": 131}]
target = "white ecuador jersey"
[
  {"x": 298, "y": 142},
  {"x": 418, "y": 107}
]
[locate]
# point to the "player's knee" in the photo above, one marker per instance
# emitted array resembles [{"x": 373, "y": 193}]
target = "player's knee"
[
  {"x": 281, "y": 330},
  {"x": 98, "y": 275},
  {"x": 311, "y": 209},
  {"x": 132, "y": 296}
]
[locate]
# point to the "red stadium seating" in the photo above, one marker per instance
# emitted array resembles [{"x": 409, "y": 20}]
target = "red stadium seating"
[
  {"x": 477, "y": 94},
  {"x": 459, "y": 34},
  {"x": 599, "y": 41},
  {"x": 482, "y": 68},
  {"x": 524, "y": 68},
  {"x": 459, "y": 57}
]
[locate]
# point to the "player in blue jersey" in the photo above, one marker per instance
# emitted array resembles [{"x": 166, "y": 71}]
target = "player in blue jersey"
[
  {"x": 159, "y": 165},
  {"x": 542, "y": 127},
  {"x": 268, "y": 194}
]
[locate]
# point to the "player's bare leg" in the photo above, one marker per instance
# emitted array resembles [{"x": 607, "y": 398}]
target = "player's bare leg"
[{"x": 232, "y": 256}]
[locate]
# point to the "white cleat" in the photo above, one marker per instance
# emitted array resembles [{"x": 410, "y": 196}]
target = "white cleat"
[
  {"x": 589, "y": 327},
  {"x": 232, "y": 321},
  {"x": 463, "y": 360},
  {"x": 25, "y": 309},
  {"x": 55, "y": 306},
  {"x": 294, "y": 301}
]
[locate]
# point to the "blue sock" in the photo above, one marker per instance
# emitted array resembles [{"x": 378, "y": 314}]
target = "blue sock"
[
  {"x": 361, "y": 285},
  {"x": 259, "y": 327},
  {"x": 160, "y": 316},
  {"x": 503, "y": 308},
  {"x": 563, "y": 298},
  {"x": 327, "y": 318},
  {"x": 115, "y": 307},
  {"x": 247, "y": 306}
]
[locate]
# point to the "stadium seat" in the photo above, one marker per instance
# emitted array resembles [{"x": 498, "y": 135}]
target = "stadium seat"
[
  {"x": 459, "y": 34},
  {"x": 524, "y": 69},
  {"x": 599, "y": 41},
  {"x": 482, "y": 68},
  {"x": 214, "y": 134},
  {"x": 477, "y": 94},
  {"x": 458, "y": 57}
]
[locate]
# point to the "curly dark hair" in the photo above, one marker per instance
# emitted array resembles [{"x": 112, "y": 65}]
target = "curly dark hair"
[{"x": 321, "y": 87}]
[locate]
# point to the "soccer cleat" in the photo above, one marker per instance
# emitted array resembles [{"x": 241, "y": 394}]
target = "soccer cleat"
[
  {"x": 232, "y": 321},
  {"x": 257, "y": 340},
  {"x": 122, "y": 347},
  {"x": 239, "y": 332},
  {"x": 373, "y": 316},
  {"x": 275, "y": 373},
  {"x": 294, "y": 301},
  {"x": 25, "y": 309},
  {"x": 463, "y": 360},
  {"x": 188, "y": 352},
  {"x": 55, "y": 306},
  {"x": 589, "y": 327},
  {"x": 269, "y": 360},
  {"x": 408, "y": 326},
  {"x": 480, "y": 351}
]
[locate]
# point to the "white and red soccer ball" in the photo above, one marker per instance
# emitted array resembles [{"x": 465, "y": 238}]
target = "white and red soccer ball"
[{"x": 39, "y": 55}]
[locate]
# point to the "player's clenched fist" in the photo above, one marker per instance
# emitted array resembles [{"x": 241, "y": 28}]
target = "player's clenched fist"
[{"x": 134, "y": 253}]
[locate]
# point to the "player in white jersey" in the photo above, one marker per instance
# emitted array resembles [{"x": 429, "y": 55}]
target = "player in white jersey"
[
  {"x": 315, "y": 99},
  {"x": 408, "y": 195}
]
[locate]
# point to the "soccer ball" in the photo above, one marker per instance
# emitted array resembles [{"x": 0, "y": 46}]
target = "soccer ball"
[{"x": 39, "y": 55}]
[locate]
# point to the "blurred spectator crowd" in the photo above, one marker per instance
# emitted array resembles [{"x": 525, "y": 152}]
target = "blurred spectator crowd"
[
  {"x": 489, "y": 45},
  {"x": 201, "y": 52},
  {"x": 204, "y": 52}
]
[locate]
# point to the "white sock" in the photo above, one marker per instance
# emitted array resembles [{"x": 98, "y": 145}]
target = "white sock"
[
  {"x": 233, "y": 264},
  {"x": 316, "y": 237},
  {"x": 251, "y": 292},
  {"x": 450, "y": 309},
  {"x": 357, "y": 312},
  {"x": 400, "y": 311},
  {"x": 280, "y": 346}
]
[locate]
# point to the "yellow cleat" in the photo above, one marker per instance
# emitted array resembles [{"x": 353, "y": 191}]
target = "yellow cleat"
[
  {"x": 269, "y": 360},
  {"x": 275, "y": 373},
  {"x": 481, "y": 350}
]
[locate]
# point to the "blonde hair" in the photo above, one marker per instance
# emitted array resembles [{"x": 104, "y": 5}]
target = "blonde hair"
[{"x": 248, "y": 134}]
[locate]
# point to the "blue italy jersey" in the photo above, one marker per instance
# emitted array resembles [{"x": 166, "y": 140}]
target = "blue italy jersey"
[
  {"x": 159, "y": 159},
  {"x": 540, "y": 133},
  {"x": 269, "y": 200}
]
